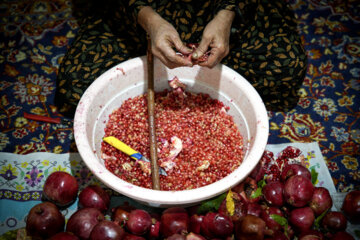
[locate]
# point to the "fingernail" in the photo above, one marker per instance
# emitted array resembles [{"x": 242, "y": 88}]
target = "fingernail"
[{"x": 195, "y": 55}]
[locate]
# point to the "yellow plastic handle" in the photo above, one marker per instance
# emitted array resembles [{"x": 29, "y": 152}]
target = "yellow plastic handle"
[{"x": 113, "y": 141}]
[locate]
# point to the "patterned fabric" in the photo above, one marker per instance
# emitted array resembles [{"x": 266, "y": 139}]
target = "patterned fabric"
[
  {"x": 35, "y": 35},
  {"x": 265, "y": 48}
]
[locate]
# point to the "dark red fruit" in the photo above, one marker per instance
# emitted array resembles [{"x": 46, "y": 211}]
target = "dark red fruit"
[
  {"x": 129, "y": 236},
  {"x": 120, "y": 214},
  {"x": 342, "y": 235},
  {"x": 320, "y": 201},
  {"x": 273, "y": 193},
  {"x": 295, "y": 169},
  {"x": 195, "y": 223},
  {"x": 176, "y": 236},
  {"x": 64, "y": 236},
  {"x": 334, "y": 221},
  {"x": 174, "y": 220},
  {"x": 311, "y": 235},
  {"x": 254, "y": 209},
  {"x": 82, "y": 222},
  {"x": 302, "y": 219},
  {"x": 154, "y": 232},
  {"x": 94, "y": 196},
  {"x": 250, "y": 228},
  {"x": 216, "y": 225},
  {"x": 139, "y": 222},
  {"x": 278, "y": 235},
  {"x": 107, "y": 230},
  {"x": 266, "y": 215},
  {"x": 60, "y": 188},
  {"x": 44, "y": 220},
  {"x": 351, "y": 206},
  {"x": 240, "y": 207},
  {"x": 194, "y": 236},
  {"x": 298, "y": 191}
]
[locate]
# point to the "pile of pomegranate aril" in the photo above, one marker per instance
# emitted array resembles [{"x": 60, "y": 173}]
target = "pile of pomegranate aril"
[
  {"x": 251, "y": 210},
  {"x": 198, "y": 142}
]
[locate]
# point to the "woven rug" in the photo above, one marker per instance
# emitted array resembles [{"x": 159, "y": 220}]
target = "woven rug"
[{"x": 35, "y": 35}]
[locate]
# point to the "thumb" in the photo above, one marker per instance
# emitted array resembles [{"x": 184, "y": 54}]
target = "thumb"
[{"x": 201, "y": 49}]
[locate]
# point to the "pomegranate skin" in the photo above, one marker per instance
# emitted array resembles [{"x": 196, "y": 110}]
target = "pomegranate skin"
[
  {"x": 82, "y": 222},
  {"x": 298, "y": 191},
  {"x": 250, "y": 227},
  {"x": 107, "y": 230},
  {"x": 195, "y": 223},
  {"x": 270, "y": 223},
  {"x": 44, "y": 220},
  {"x": 334, "y": 221},
  {"x": 61, "y": 188},
  {"x": 174, "y": 220},
  {"x": 351, "y": 206},
  {"x": 342, "y": 235},
  {"x": 216, "y": 225},
  {"x": 320, "y": 201},
  {"x": 302, "y": 219},
  {"x": 94, "y": 196},
  {"x": 294, "y": 169},
  {"x": 139, "y": 222},
  {"x": 64, "y": 236},
  {"x": 273, "y": 193}
]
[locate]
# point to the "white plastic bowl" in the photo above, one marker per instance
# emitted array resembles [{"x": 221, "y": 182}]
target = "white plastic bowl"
[{"x": 128, "y": 79}]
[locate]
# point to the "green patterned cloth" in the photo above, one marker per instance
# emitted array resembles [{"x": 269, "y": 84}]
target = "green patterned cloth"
[{"x": 264, "y": 47}]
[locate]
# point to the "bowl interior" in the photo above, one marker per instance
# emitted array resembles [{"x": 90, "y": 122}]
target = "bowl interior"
[{"x": 128, "y": 79}]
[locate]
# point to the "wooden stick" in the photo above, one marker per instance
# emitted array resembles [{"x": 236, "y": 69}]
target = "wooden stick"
[{"x": 151, "y": 112}]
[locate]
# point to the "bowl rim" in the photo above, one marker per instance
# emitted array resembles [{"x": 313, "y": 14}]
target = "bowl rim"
[{"x": 157, "y": 197}]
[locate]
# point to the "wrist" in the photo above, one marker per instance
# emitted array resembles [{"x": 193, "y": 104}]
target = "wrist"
[
  {"x": 226, "y": 16},
  {"x": 147, "y": 17}
]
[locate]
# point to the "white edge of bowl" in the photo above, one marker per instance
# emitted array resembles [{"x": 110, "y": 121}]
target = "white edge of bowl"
[{"x": 157, "y": 197}]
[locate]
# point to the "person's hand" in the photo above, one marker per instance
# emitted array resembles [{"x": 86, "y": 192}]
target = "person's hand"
[
  {"x": 215, "y": 38},
  {"x": 164, "y": 39}
]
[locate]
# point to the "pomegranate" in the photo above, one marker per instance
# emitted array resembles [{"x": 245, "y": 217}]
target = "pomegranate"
[
  {"x": 120, "y": 214},
  {"x": 351, "y": 206},
  {"x": 194, "y": 236},
  {"x": 216, "y": 225},
  {"x": 334, "y": 221},
  {"x": 298, "y": 191},
  {"x": 129, "y": 236},
  {"x": 240, "y": 207},
  {"x": 302, "y": 218},
  {"x": 154, "y": 232},
  {"x": 254, "y": 209},
  {"x": 174, "y": 220},
  {"x": 342, "y": 235},
  {"x": 321, "y": 200},
  {"x": 195, "y": 223},
  {"x": 107, "y": 230},
  {"x": 44, "y": 220},
  {"x": 250, "y": 227},
  {"x": 273, "y": 193},
  {"x": 139, "y": 222},
  {"x": 94, "y": 196},
  {"x": 82, "y": 222},
  {"x": 266, "y": 215},
  {"x": 61, "y": 188},
  {"x": 64, "y": 236},
  {"x": 311, "y": 234},
  {"x": 177, "y": 236},
  {"x": 294, "y": 169}
]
